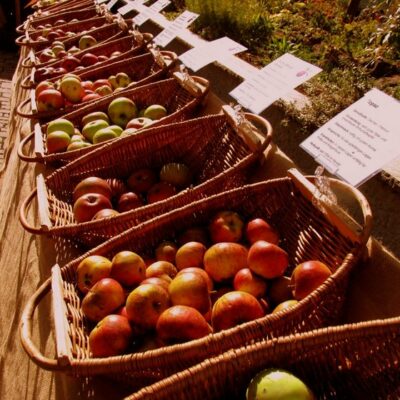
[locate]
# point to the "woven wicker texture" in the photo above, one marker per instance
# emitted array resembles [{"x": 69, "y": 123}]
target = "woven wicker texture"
[
  {"x": 171, "y": 94},
  {"x": 307, "y": 234},
  {"x": 210, "y": 146},
  {"x": 353, "y": 362}
]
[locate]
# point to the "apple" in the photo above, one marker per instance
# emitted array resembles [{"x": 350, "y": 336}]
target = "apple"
[
  {"x": 92, "y": 184},
  {"x": 307, "y": 277},
  {"x": 72, "y": 90},
  {"x": 87, "y": 41},
  {"x": 129, "y": 201},
  {"x": 141, "y": 180},
  {"x": 234, "y": 308},
  {"x": 40, "y": 74},
  {"x": 157, "y": 281},
  {"x": 190, "y": 289},
  {"x": 104, "y": 297},
  {"x": 61, "y": 54},
  {"x": 128, "y": 268},
  {"x": 247, "y": 281},
  {"x": 102, "y": 57},
  {"x": 59, "y": 71},
  {"x": 73, "y": 50},
  {"x": 194, "y": 234},
  {"x": 166, "y": 251},
  {"x": 121, "y": 110},
  {"x": 90, "y": 97},
  {"x": 105, "y": 213},
  {"x": 71, "y": 75},
  {"x": 122, "y": 79},
  {"x": 59, "y": 22},
  {"x": 129, "y": 131},
  {"x": 145, "y": 304},
  {"x": 88, "y": 85},
  {"x": 138, "y": 123},
  {"x": 58, "y": 43},
  {"x": 86, "y": 206},
  {"x": 43, "y": 86},
  {"x": 103, "y": 90},
  {"x": 77, "y": 145},
  {"x": 61, "y": 124},
  {"x": 111, "y": 336},
  {"x": 226, "y": 226},
  {"x": 70, "y": 62},
  {"x": 267, "y": 260},
  {"x": 89, "y": 59},
  {"x": 53, "y": 35},
  {"x": 92, "y": 127},
  {"x": 49, "y": 100},
  {"x": 104, "y": 134},
  {"x": 94, "y": 116},
  {"x": 90, "y": 270},
  {"x": 202, "y": 272},
  {"x": 223, "y": 260},
  {"x": 279, "y": 384},
  {"x": 46, "y": 55},
  {"x": 160, "y": 268},
  {"x": 280, "y": 290},
  {"x": 155, "y": 112},
  {"x": 190, "y": 254},
  {"x": 101, "y": 82},
  {"x": 113, "y": 81},
  {"x": 259, "y": 229},
  {"x": 117, "y": 129},
  {"x": 160, "y": 191},
  {"x": 177, "y": 174},
  {"x": 57, "y": 49},
  {"x": 57, "y": 141},
  {"x": 180, "y": 324},
  {"x": 285, "y": 305}
]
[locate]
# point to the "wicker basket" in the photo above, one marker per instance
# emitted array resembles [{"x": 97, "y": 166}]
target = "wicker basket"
[
  {"x": 309, "y": 231},
  {"x": 179, "y": 100},
  {"x": 354, "y": 362},
  {"x": 60, "y": 6},
  {"x": 143, "y": 69},
  {"x": 211, "y": 146}
]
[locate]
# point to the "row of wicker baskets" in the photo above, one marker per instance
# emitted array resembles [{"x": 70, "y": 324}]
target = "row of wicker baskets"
[{"x": 223, "y": 151}]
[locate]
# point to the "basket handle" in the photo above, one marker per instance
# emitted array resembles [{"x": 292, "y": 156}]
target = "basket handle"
[
  {"x": 27, "y": 82},
  {"x": 21, "y": 145},
  {"x": 20, "y": 109},
  {"x": 170, "y": 56},
  {"x": 43, "y": 207},
  {"x": 26, "y": 329},
  {"x": 346, "y": 225},
  {"x": 21, "y": 28},
  {"x": 21, "y": 40},
  {"x": 247, "y": 131},
  {"x": 195, "y": 85}
]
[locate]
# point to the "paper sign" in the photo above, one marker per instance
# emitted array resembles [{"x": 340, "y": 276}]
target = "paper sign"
[
  {"x": 359, "y": 141},
  {"x": 132, "y": 5},
  {"x": 147, "y": 13},
  {"x": 202, "y": 55},
  {"x": 101, "y": 1},
  {"x": 169, "y": 33},
  {"x": 273, "y": 81},
  {"x": 111, "y": 4}
]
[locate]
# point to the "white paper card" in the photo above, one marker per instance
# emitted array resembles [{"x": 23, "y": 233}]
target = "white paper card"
[
  {"x": 111, "y": 4},
  {"x": 130, "y": 6},
  {"x": 101, "y": 1},
  {"x": 147, "y": 13},
  {"x": 200, "y": 56},
  {"x": 273, "y": 81},
  {"x": 169, "y": 33},
  {"x": 359, "y": 141}
]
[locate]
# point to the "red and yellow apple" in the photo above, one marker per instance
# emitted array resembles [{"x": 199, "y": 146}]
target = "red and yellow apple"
[{"x": 226, "y": 226}]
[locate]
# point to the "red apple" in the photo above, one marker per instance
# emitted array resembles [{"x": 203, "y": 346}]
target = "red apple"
[
  {"x": 267, "y": 260},
  {"x": 141, "y": 180},
  {"x": 46, "y": 55},
  {"x": 160, "y": 191},
  {"x": 226, "y": 226},
  {"x": 53, "y": 35},
  {"x": 280, "y": 290},
  {"x": 160, "y": 268},
  {"x": 49, "y": 100},
  {"x": 105, "y": 296},
  {"x": 101, "y": 82},
  {"x": 190, "y": 254},
  {"x": 247, "y": 281},
  {"x": 90, "y": 270},
  {"x": 200, "y": 271},
  {"x": 104, "y": 213},
  {"x": 110, "y": 337},
  {"x": 92, "y": 184},
  {"x": 102, "y": 57},
  {"x": 128, "y": 268},
  {"x": 129, "y": 201},
  {"x": 181, "y": 323},
  {"x": 166, "y": 251},
  {"x": 138, "y": 123},
  {"x": 87, "y": 85},
  {"x": 90, "y": 97},
  {"x": 43, "y": 86},
  {"x": 259, "y": 229},
  {"x": 86, "y": 206},
  {"x": 223, "y": 260},
  {"x": 156, "y": 281},
  {"x": 235, "y": 308},
  {"x": 307, "y": 277},
  {"x": 70, "y": 62},
  {"x": 285, "y": 305},
  {"x": 89, "y": 59}
]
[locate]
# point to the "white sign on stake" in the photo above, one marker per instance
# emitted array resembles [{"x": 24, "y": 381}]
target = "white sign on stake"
[
  {"x": 147, "y": 13},
  {"x": 359, "y": 141},
  {"x": 130, "y": 6},
  {"x": 111, "y": 4},
  {"x": 169, "y": 33},
  {"x": 273, "y": 81},
  {"x": 101, "y": 1},
  {"x": 200, "y": 56}
]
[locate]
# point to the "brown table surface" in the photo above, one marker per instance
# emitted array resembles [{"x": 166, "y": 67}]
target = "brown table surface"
[{"x": 25, "y": 262}]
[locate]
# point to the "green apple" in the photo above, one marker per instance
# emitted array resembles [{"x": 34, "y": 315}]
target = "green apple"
[
  {"x": 121, "y": 110},
  {"x": 77, "y": 138},
  {"x": 72, "y": 90},
  {"x": 56, "y": 49},
  {"x": 123, "y": 79},
  {"x": 104, "y": 90},
  {"x": 93, "y": 116},
  {"x": 78, "y": 145},
  {"x": 57, "y": 142},
  {"x": 113, "y": 80},
  {"x": 102, "y": 135},
  {"x": 155, "y": 111},
  {"x": 86, "y": 41},
  {"x": 61, "y": 124},
  {"x": 117, "y": 129},
  {"x": 92, "y": 127}
]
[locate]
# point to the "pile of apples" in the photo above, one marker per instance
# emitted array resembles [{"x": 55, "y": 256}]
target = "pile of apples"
[
  {"x": 95, "y": 198},
  {"x": 70, "y": 90},
  {"x": 188, "y": 289},
  {"x": 122, "y": 118}
]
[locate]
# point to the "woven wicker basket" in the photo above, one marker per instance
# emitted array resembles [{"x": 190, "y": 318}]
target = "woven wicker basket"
[
  {"x": 354, "y": 362},
  {"x": 211, "y": 146},
  {"x": 32, "y": 25},
  {"x": 142, "y": 69},
  {"x": 309, "y": 231},
  {"x": 179, "y": 100},
  {"x": 60, "y": 6}
]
